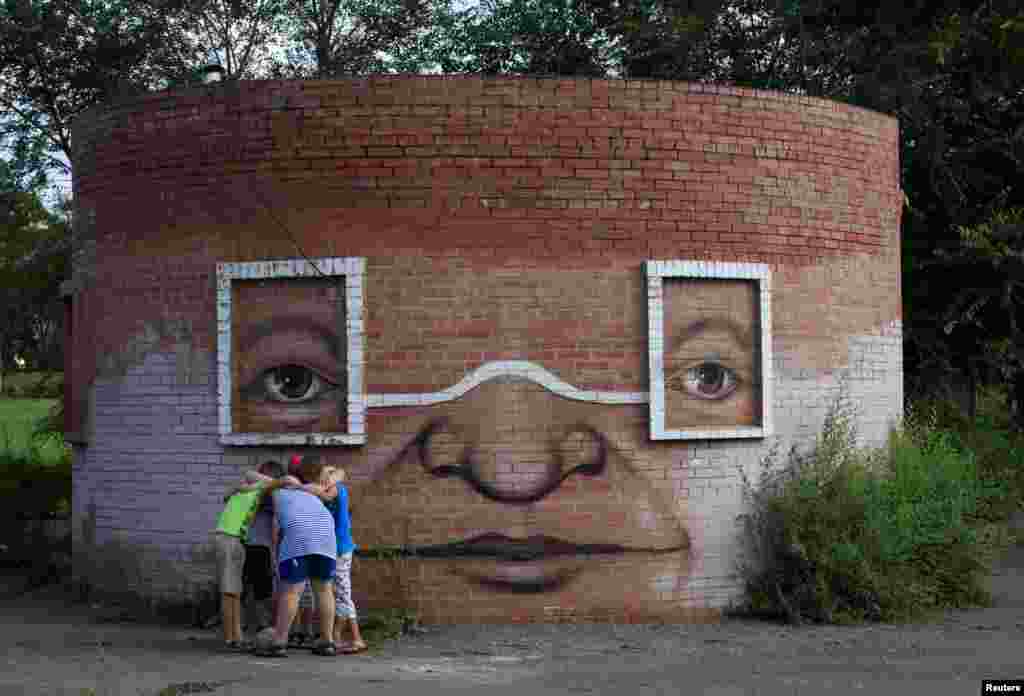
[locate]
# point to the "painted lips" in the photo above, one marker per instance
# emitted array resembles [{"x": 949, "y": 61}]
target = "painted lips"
[{"x": 537, "y": 563}]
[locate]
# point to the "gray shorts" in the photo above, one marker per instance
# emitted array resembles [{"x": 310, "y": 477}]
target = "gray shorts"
[{"x": 230, "y": 562}]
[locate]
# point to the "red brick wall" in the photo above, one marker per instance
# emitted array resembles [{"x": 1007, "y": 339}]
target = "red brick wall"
[
  {"x": 500, "y": 219},
  {"x": 571, "y": 174}
]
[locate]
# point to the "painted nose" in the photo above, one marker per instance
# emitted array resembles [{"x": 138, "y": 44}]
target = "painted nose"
[{"x": 515, "y": 448}]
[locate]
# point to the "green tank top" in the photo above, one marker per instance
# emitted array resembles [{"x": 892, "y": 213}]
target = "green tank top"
[{"x": 238, "y": 513}]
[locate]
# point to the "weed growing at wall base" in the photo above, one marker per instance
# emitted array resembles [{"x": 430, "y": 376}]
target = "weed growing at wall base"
[{"x": 844, "y": 534}]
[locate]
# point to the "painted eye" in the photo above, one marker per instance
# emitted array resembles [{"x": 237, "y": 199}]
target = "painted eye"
[
  {"x": 293, "y": 384},
  {"x": 710, "y": 380}
]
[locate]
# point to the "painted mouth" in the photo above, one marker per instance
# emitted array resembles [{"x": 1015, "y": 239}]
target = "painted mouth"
[
  {"x": 537, "y": 563},
  {"x": 532, "y": 548}
]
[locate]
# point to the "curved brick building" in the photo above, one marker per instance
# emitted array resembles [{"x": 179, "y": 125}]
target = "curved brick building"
[{"x": 543, "y": 324}]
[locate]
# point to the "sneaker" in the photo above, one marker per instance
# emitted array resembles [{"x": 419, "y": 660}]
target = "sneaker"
[{"x": 324, "y": 648}]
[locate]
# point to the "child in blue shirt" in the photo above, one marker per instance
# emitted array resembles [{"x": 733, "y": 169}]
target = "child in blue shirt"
[
  {"x": 344, "y": 608},
  {"x": 335, "y": 497}
]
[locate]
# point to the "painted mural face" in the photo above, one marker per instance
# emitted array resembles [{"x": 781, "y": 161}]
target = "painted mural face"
[
  {"x": 288, "y": 371},
  {"x": 527, "y": 494},
  {"x": 511, "y": 488}
]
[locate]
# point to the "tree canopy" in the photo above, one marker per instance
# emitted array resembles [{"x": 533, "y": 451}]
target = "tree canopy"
[
  {"x": 33, "y": 256},
  {"x": 952, "y": 71}
]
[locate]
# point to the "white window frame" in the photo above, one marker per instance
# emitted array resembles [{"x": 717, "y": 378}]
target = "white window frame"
[
  {"x": 657, "y": 271},
  {"x": 354, "y": 270}
]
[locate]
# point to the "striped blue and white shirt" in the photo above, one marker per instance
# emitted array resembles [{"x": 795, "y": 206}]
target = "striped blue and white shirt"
[{"x": 307, "y": 528}]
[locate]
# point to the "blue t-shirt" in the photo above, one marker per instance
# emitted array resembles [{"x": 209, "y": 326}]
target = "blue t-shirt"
[
  {"x": 307, "y": 529},
  {"x": 342, "y": 521}
]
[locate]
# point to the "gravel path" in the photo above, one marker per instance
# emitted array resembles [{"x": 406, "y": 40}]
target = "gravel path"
[{"x": 50, "y": 648}]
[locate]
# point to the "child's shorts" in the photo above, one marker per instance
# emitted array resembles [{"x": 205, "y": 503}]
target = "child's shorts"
[
  {"x": 296, "y": 571},
  {"x": 258, "y": 572},
  {"x": 230, "y": 559},
  {"x": 344, "y": 607}
]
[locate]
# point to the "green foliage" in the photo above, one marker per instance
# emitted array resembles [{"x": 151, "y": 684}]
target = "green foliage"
[
  {"x": 28, "y": 384},
  {"x": 241, "y": 37},
  {"x": 22, "y": 435},
  {"x": 60, "y": 57},
  {"x": 998, "y": 450},
  {"x": 843, "y": 534},
  {"x": 985, "y": 320},
  {"x": 378, "y": 625},
  {"x": 33, "y": 256},
  {"x": 536, "y": 37},
  {"x": 332, "y": 38},
  {"x": 32, "y": 492},
  {"x": 31, "y": 489}
]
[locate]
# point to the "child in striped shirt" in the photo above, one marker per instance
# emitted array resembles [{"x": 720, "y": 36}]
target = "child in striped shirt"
[
  {"x": 306, "y": 546},
  {"x": 335, "y": 497}
]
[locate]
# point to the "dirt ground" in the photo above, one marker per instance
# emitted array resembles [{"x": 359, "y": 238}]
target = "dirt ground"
[{"x": 50, "y": 647}]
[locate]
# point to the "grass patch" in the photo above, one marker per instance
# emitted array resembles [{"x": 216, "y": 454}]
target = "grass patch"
[
  {"x": 35, "y": 487},
  {"x": 35, "y": 472},
  {"x": 19, "y": 418},
  {"x": 379, "y": 625}
]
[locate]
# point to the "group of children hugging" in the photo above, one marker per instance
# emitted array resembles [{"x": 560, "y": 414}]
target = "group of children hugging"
[{"x": 286, "y": 536}]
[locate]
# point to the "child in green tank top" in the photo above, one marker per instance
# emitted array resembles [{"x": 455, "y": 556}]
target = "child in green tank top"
[{"x": 228, "y": 540}]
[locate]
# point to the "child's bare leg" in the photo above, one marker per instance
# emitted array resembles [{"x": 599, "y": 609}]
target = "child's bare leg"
[
  {"x": 230, "y": 614},
  {"x": 236, "y": 611},
  {"x": 347, "y": 625},
  {"x": 306, "y": 610},
  {"x": 353, "y": 629},
  {"x": 287, "y": 607},
  {"x": 225, "y": 615},
  {"x": 345, "y": 608},
  {"x": 324, "y": 590}
]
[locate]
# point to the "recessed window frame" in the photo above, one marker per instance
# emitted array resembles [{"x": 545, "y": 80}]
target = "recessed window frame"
[
  {"x": 353, "y": 269},
  {"x": 656, "y": 272}
]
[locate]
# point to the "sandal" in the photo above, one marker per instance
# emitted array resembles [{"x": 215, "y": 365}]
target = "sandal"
[
  {"x": 299, "y": 640},
  {"x": 324, "y": 648},
  {"x": 271, "y": 651},
  {"x": 353, "y": 648}
]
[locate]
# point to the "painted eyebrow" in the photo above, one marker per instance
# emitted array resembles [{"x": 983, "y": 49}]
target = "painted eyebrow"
[
  {"x": 701, "y": 325},
  {"x": 271, "y": 326}
]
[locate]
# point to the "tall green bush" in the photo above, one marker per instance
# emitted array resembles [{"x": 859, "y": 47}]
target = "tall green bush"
[
  {"x": 998, "y": 449},
  {"x": 839, "y": 533}
]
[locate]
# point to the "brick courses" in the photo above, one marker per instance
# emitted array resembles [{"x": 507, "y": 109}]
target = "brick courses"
[{"x": 501, "y": 219}]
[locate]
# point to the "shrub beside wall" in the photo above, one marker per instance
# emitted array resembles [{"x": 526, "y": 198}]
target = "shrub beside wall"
[
  {"x": 35, "y": 499},
  {"x": 840, "y": 534}
]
